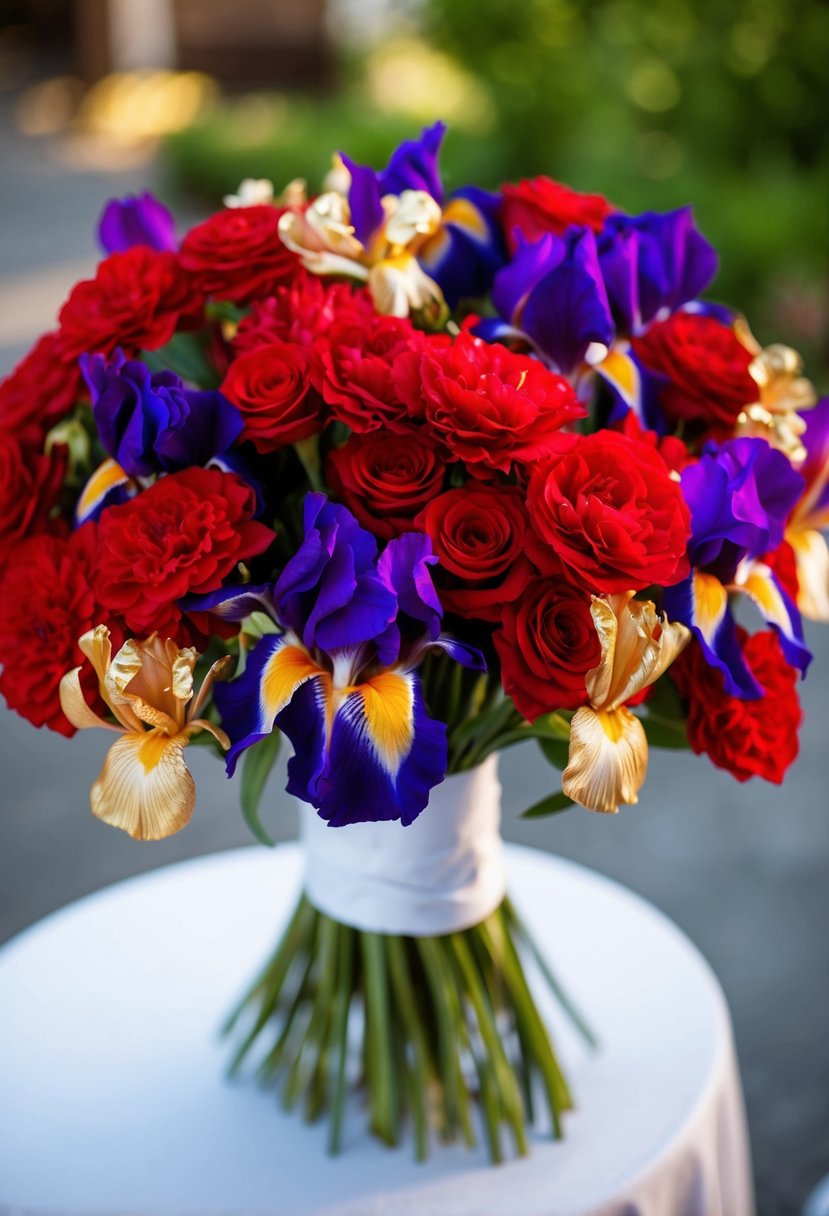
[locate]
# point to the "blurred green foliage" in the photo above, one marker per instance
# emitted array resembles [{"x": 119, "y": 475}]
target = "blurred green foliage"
[{"x": 653, "y": 104}]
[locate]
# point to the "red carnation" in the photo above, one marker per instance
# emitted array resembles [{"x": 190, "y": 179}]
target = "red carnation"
[
  {"x": 479, "y": 534},
  {"x": 271, "y": 387},
  {"x": 386, "y": 479},
  {"x": 705, "y": 366},
  {"x": 237, "y": 254},
  {"x": 135, "y": 301},
  {"x": 539, "y": 205},
  {"x": 301, "y": 312},
  {"x": 30, "y": 486},
  {"x": 493, "y": 408},
  {"x": 183, "y": 535},
  {"x": 354, "y": 369},
  {"x": 547, "y": 643},
  {"x": 612, "y": 513},
  {"x": 40, "y": 626},
  {"x": 747, "y": 738},
  {"x": 41, "y": 390}
]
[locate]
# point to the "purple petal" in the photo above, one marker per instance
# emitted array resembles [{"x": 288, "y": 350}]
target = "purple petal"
[
  {"x": 364, "y": 197},
  {"x": 233, "y": 603},
  {"x": 414, "y": 165},
  {"x": 136, "y": 220}
]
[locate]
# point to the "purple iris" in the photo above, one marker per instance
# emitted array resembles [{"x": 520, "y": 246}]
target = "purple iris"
[
  {"x": 136, "y": 220},
  {"x": 553, "y": 295},
  {"x": 330, "y": 593},
  {"x": 740, "y": 495},
  {"x": 816, "y": 442},
  {"x": 149, "y": 422},
  {"x": 464, "y": 256},
  {"x": 652, "y": 264}
]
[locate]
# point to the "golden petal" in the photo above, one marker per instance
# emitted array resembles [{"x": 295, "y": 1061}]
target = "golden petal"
[
  {"x": 73, "y": 703},
  {"x": 145, "y": 788},
  {"x": 183, "y": 666},
  {"x": 219, "y": 671},
  {"x": 637, "y": 647},
  {"x": 812, "y": 558},
  {"x": 218, "y": 734},
  {"x": 144, "y": 675},
  {"x": 95, "y": 644},
  {"x": 608, "y": 759}
]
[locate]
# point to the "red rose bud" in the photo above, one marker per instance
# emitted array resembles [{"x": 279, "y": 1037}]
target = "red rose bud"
[
  {"x": 182, "y": 536},
  {"x": 493, "y": 408},
  {"x": 39, "y": 630},
  {"x": 135, "y": 301},
  {"x": 747, "y": 738},
  {"x": 271, "y": 387},
  {"x": 612, "y": 513},
  {"x": 238, "y": 254},
  {"x": 539, "y": 205},
  {"x": 303, "y": 311},
  {"x": 386, "y": 479},
  {"x": 705, "y": 366},
  {"x": 479, "y": 535},
  {"x": 547, "y": 643}
]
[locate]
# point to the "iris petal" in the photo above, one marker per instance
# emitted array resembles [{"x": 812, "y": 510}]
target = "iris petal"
[{"x": 145, "y": 788}]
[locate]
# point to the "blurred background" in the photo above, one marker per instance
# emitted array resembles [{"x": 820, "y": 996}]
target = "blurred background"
[{"x": 652, "y": 104}]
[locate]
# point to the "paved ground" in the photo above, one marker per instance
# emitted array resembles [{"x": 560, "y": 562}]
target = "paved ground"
[{"x": 743, "y": 869}]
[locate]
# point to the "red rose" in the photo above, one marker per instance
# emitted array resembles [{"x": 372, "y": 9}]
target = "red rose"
[
  {"x": 41, "y": 390},
  {"x": 237, "y": 254},
  {"x": 302, "y": 311},
  {"x": 705, "y": 365},
  {"x": 747, "y": 738},
  {"x": 47, "y": 602},
  {"x": 271, "y": 387},
  {"x": 539, "y": 205},
  {"x": 386, "y": 479},
  {"x": 354, "y": 370},
  {"x": 546, "y": 644},
  {"x": 612, "y": 513},
  {"x": 493, "y": 408},
  {"x": 135, "y": 301},
  {"x": 784, "y": 564},
  {"x": 479, "y": 535},
  {"x": 184, "y": 535},
  {"x": 30, "y": 486}
]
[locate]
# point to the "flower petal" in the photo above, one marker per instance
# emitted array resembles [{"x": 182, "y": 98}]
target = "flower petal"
[
  {"x": 145, "y": 788},
  {"x": 74, "y": 705},
  {"x": 812, "y": 557},
  {"x": 762, "y": 586},
  {"x": 608, "y": 759}
]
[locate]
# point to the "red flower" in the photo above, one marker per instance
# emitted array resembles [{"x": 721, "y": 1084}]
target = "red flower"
[
  {"x": 301, "y": 312},
  {"x": 479, "y": 535},
  {"x": 47, "y": 602},
  {"x": 610, "y": 510},
  {"x": 30, "y": 486},
  {"x": 135, "y": 301},
  {"x": 237, "y": 254},
  {"x": 41, "y": 390},
  {"x": 183, "y": 535},
  {"x": 271, "y": 387},
  {"x": 747, "y": 738},
  {"x": 539, "y": 205},
  {"x": 705, "y": 366},
  {"x": 354, "y": 370},
  {"x": 547, "y": 643},
  {"x": 493, "y": 408},
  {"x": 386, "y": 479}
]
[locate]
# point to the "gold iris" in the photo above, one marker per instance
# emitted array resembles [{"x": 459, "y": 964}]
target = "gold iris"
[{"x": 144, "y": 787}]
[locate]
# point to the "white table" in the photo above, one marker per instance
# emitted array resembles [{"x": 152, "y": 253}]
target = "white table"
[{"x": 112, "y": 1097}]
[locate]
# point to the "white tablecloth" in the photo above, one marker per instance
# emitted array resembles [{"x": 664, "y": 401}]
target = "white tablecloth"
[{"x": 112, "y": 1097}]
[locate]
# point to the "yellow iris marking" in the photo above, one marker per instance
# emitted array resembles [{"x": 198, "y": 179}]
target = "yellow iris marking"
[
  {"x": 284, "y": 673},
  {"x": 106, "y": 476},
  {"x": 710, "y": 602},
  {"x": 388, "y": 706}
]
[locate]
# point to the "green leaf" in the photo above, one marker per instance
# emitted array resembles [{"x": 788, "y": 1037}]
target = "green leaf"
[
  {"x": 550, "y": 805},
  {"x": 185, "y": 355},
  {"x": 256, "y": 767},
  {"x": 664, "y": 732},
  {"x": 556, "y": 752}
]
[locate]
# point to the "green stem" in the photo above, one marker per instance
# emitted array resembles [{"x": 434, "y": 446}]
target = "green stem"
[{"x": 381, "y": 1075}]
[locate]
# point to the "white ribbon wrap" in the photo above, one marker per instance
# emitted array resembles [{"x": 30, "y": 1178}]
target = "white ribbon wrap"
[{"x": 442, "y": 873}]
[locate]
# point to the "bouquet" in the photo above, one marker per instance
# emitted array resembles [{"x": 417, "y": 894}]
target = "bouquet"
[{"x": 407, "y": 477}]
